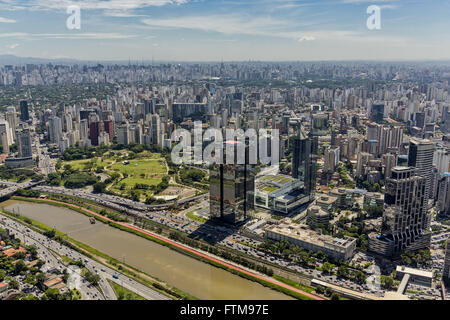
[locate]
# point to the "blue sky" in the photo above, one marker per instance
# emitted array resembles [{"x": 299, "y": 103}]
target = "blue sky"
[{"x": 229, "y": 30}]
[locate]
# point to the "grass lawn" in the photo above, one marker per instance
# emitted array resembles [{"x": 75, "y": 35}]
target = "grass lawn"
[
  {"x": 66, "y": 260},
  {"x": 123, "y": 293},
  {"x": 139, "y": 171},
  {"x": 195, "y": 217},
  {"x": 294, "y": 284},
  {"x": 130, "y": 182},
  {"x": 76, "y": 294},
  {"x": 149, "y": 168},
  {"x": 81, "y": 164}
]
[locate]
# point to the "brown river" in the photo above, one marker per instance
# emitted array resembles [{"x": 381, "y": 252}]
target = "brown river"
[{"x": 188, "y": 274}]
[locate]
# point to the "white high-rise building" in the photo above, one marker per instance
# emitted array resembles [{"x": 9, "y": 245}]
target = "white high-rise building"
[
  {"x": 4, "y": 127},
  {"x": 11, "y": 117},
  {"x": 442, "y": 160},
  {"x": 4, "y": 139},
  {"x": 123, "y": 134},
  {"x": 84, "y": 130}
]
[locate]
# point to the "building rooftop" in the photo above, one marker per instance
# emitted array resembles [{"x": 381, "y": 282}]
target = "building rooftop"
[
  {"x": 273, "y": 183},
  {"x": 303, "y": 233},
  {"x": 10, "y": 252},
  {"x": 52, "y": 282},
  {"x": 318, "y": 212},
  {"x": 278, "y": 180},
  {"x": 326, "y": 199},
  {"x": 415, "y": 272}
]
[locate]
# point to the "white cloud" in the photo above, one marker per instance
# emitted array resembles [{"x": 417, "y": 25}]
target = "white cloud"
[
  {"x": 388, "y": 4},
  {"x": 121, "y": 14},
  {"x": 12, "y": 46},
  {"x": 265, "y": 26},
  {"x": 306, "y": 38},
  {"x": 87, "y": 36},
  {"x": 13, "y": 35},
  {"x": 6, "y": 20},
  {"x": 225, "y": 24},
  {"x": 91, "y": 4},
  {"x": 367, "y": 1}
]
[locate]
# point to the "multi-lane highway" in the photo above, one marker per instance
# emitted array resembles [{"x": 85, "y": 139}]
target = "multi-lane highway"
[
  {"x": 48, "y": 246},
  {"x": 46, "y": 252}
]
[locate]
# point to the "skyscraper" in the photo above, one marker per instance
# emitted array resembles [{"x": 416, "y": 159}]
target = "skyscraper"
[
  {"x": 420, "y": 119},
  {"x": 446, "y": 273},
  {"x": 24, "y": 113},
  {"x": 11, "y": 117},
  {"x": 5, "y": 128},
  {"x": 421, "y": 157},
  {"x": 24, "y": 143},
  {"x": 442, "y": 160},
  {"x": 285, "y": 123},
  {"x": 94, "y": 132},
  {"x": 404, "y": 224},
  {"x": 443, "y": 199},
  {"x": 123, "y": 134},
  {"x": 84, "y": 130},
  {"x": 232, "y": 188},
  {"x": 109, "y": 128},
  {"x": 377, "y": 113},
  {"x": 54, "y": 129},
  {"x": 319, "y": 124},
  {"x": 155, "y": 127},
  {"x": 5, "y": 146},
  {"x": 304, "y": 162}
]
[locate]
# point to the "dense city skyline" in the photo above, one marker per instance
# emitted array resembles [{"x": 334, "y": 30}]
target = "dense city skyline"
[{"x": 224, "y": 150}]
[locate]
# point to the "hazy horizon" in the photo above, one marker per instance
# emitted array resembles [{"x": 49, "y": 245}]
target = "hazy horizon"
[{"x": 223, "y": 30}]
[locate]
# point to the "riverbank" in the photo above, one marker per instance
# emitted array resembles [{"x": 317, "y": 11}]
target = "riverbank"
[
  {"x": 100, "y": 257},
  {"x": 198, "y": 254}
]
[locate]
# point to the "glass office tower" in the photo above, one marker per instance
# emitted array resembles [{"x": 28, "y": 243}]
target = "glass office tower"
[
  {"x": 304, "y": 162},
  {"x": 232, "y": 188}
]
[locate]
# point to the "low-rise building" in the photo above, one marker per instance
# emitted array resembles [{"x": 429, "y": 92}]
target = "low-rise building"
[
  {"x": 326, "y": 202},
  {"x": 19, "y": 162},
  {"x": 11, "y": 251},
  {"x": 302, "y": 236},
  {"x": 54, "y": 283},
  {"x": 381, "y": 244},
  {"x": 279, "y": 193},
  {"x": 317, "y": 218},
  {"x": 3, "y": 287},
  {"x": 373, "y": 199},
  {"x": 344, "y": 198},
  {"x": 416, "y": 276}
]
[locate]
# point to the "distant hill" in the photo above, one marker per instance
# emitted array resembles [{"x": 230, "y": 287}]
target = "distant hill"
[{"x": 7, "y": 59}]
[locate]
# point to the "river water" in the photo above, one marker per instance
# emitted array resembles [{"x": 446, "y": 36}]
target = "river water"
[{"x": 188, "y": 274}]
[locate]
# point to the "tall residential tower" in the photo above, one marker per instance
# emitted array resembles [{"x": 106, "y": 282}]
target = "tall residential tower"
[{"x": 405, "y": 219}]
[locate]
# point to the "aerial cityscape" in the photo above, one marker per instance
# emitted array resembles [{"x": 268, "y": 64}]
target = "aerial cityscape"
[{"x": 154, "y": 175}]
